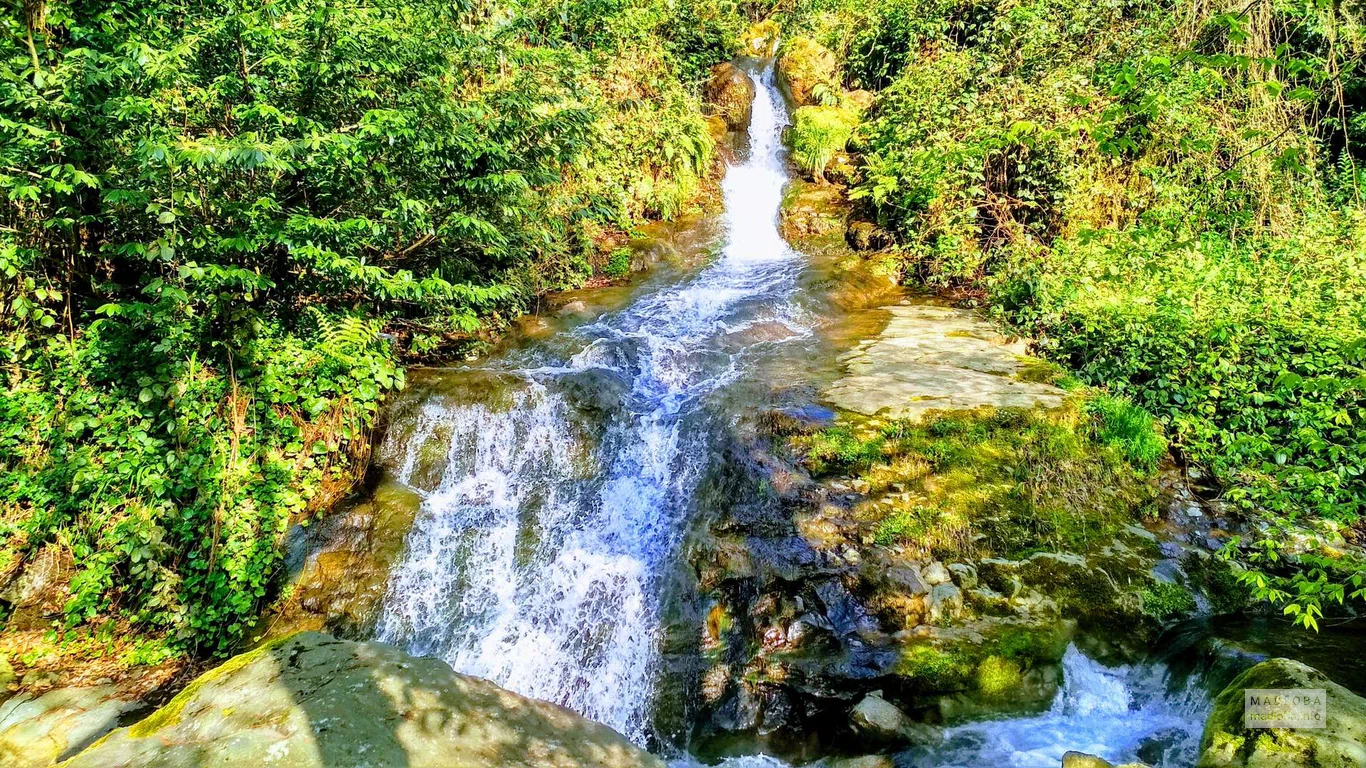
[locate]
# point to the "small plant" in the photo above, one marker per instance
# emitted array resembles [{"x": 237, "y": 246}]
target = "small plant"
[
  {"x": 818, "y": 133},
  {"x": 1130, "y": 429},
  {"x": 618, "y": 264}
]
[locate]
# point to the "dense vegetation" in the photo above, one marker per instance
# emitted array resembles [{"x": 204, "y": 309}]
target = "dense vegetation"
[
  {"x": 1168, "y": 197},
  {"x": 224, "y": 223}
]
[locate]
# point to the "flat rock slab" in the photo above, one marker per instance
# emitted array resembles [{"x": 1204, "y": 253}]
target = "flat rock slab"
[{"x": 936, "y": 358}]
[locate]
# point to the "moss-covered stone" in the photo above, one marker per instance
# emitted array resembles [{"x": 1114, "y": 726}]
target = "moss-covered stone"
[
  {"x": 805, "y": 66},
  {"x": 1341, "y": 743},
  {"x": 314, "y": 701}
]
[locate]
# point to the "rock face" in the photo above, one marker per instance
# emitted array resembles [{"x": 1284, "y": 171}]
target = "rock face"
[
  {"x": 932, "y": 357},
  {"x": 339, "y": 568},
  {"x": 729, "y": 94},
  {"x": 313, "y": 700},
  {"x": 40, "y": 730},
  {"x": 1083, "y": 760},
  {"x": 1339, "y": 744}
]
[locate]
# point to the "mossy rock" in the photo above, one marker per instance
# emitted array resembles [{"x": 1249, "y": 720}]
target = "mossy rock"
[
  {"x": 312, "y": 700},
  {"x": 1228, "y": 743},
  {"x": 803, "y": 65},
  {"x": 729, "y": 94}
]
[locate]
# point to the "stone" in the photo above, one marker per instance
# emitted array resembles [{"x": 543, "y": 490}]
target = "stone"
[
  {"x": 40, "y": 730},
  {"x": 935, "y": 573},
  {"x": 8, "y": 677},
  {"x": 803, "y": 65},
  {"x": 867, "y": 236},
  {"x": 932, "y": 357},
  {"x": 964, "y": 575},
  {"x": 1341, "y": 743},
  {"x": 944, "y": 604},
  {"x": 1083, "y": 760},
  {"x": 313, "y": 701},
  {"x": 866, "y": 761},
  {"x": 338, "y": 569},
  {"x": 879, "y": 720},
  {"x": 729, "y": 94}
]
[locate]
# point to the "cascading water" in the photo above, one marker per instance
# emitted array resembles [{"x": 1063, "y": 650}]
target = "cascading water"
[
  {"x": 546, "y": 520},
  {"x": 1116, "y": 713}
]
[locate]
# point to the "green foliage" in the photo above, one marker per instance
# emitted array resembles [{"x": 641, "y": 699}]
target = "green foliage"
[
  {"x": 618, "y": 263},
  {"x": 223, "y": 221},
  {"x": 1170, "y": 202},
  {"x": 818, "y": 133},
  {"x": 1131, "y": 429}
]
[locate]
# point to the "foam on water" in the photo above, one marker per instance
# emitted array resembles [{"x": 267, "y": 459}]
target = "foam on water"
[
  {"x": 1111, "y": 712},
  {"x": 536, "y": 556}
]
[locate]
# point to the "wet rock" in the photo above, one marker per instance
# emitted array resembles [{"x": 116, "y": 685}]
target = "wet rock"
[
  {"x": 40, "y": 730},
  {"x": 867, "y": 236},
  {"x": 866, "y": 761},
  {"x": 729, "y": 94},
  {"x": 339, "y": 569},
  {"x": 803, "y": 65},
  {"x": 1083, "y": 760},
  {"x": 312, "y": 701},
  {"x": 879, "y": 720},
  {"x": 931, "y": 357},
  {"x": 739, "y": 711},
  {"x": 1228, "y": 743}
]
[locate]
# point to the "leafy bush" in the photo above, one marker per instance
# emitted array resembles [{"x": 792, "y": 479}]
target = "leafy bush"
[
  {"x": 223, "y": 223},
  {"x": 618, "y": 263},
  {"x": 818, "y": 133}
]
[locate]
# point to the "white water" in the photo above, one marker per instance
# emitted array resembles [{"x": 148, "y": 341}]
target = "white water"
[
  {"x": 1104, "y": 711},
  {"x": 536, "y": 556}
]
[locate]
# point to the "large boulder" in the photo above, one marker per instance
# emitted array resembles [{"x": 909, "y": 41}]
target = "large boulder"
[
  {"x": 804, "y": 65},
  {"x": 1341, "y": 743},
  {"x": 729, "y": 94},
  {"x": 313, "y": 701}
]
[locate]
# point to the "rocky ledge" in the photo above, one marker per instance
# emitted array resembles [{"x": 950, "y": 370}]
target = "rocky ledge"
[{"x": 313, "y": 700}]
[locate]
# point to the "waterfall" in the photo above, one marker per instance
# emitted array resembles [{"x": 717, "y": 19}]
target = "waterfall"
[{"x": 548, "y": 516}]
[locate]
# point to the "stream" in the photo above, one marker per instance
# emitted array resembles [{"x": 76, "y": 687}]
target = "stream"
[{"x": 557, "y": 482}]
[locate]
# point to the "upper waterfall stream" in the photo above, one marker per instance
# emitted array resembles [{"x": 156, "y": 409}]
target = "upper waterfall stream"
[{"x": 535, "y": 558}]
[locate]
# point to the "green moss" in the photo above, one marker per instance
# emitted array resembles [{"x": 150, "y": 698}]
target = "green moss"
[
  {"x": 1166, "y": 602},
  {"x": 928, "y": 668},
  {"x": 998, "y": 677},
  {"x": 169, "y": 714},
  {"x": 995, "y": 482}
]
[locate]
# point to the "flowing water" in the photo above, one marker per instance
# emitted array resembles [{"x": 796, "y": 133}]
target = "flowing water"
[
  {"x": 557, "y": 482},
  {"x": 1121, "y": 714},
  {"x": 549, "y": 515}
]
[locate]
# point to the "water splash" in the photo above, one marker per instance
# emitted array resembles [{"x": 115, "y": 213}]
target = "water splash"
[
  {"x": 1111, "y": 712},
  {"x": 544, "y": 530}
]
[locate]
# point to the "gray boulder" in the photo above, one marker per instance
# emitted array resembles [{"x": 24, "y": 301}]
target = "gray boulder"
[
  {"x": 311, "y": 701},
  {"x": 881, "y": 721},
  {"x": 1341, "y": 743}
]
